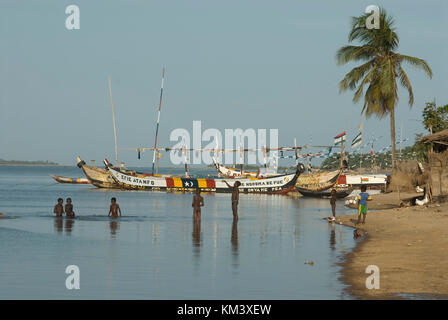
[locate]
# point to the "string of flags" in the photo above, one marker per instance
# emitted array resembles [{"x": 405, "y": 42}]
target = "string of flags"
[{"x": 356, "y": 143}]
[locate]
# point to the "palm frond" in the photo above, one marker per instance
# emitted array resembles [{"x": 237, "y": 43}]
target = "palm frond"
[
  {"x": 352, "y": 78},
  {"x": 355, "y": 53},
  {"x": 417, "y": 63},
  {"x": 404, "y": 80}
]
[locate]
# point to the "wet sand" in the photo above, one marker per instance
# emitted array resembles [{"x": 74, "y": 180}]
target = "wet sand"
[{"x": 410, "y": 247}]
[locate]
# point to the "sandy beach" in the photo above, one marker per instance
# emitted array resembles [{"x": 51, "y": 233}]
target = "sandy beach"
[{"x": 410, "y": 247}]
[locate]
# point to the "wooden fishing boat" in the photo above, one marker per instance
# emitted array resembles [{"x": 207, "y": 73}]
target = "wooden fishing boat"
[
  {"x": 61, "y": 179},
  {"x": 280, "y": 184},
  {"x": 340, "y": 192},
  {"x": 99, "y": 177},
  {"x": 318, "y": 181},
  {"x": 228, "y": 172},
  {"x": 102, "y": 178}
]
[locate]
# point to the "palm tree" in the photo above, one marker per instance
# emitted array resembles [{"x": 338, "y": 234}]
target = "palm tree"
[{"x": 381, "y": 68}]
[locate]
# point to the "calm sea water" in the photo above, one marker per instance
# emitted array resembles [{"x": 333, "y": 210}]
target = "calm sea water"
[{"x": 156, "y": 252}]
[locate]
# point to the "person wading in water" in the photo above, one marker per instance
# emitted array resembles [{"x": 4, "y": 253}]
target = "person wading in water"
[
  {"x": 235, "y": 198},
  {"x": 198, "y": 202}
]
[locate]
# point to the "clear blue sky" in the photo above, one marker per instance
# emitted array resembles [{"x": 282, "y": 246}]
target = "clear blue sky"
[{"x": 247, "y": 64}]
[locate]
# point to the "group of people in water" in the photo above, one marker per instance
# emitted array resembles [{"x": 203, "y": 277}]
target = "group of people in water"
[
  {"x": 198, "y": 201},
  {"x": 59, "y": 208}
]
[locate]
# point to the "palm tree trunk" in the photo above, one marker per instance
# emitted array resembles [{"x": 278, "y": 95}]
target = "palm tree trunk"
[{"x": 392, "y": 135}]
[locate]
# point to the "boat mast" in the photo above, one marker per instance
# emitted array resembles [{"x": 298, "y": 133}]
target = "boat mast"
[
  {"x": 157, "y": 127},
  {"x": 113, "y": 119}
]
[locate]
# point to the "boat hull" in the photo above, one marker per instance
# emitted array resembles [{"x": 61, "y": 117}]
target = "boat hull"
[
  {"x": 281, "y": 184},
  {"x": 340, "y": 194},
  {"x": 319, "y": 181},
  {"x": 98, "y": 177},
  {"x": 61, "y": 179}
]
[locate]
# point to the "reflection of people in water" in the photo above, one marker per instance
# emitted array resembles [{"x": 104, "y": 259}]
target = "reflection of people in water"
[
  {"x": 198, "y": 202},
  {"x": 69, "y": 225},
  {"x": 235, "y": 197},
  {"x": 332, "y": 238},
  {"x": 196, "y": 235},
  {"x": 59, "y": 208},
  {"x": 114, "y": 226},
  {"x": 58, "y": 224},
  {"x": 69, "y": 208},
  {"x": 234, "y": 237},
  {"x": 114, "y": 208}
]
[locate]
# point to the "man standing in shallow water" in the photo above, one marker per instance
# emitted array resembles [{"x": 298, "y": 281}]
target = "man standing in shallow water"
[
  {"x": 198, "y": 202},
  {"x": 235, "y": 198}
]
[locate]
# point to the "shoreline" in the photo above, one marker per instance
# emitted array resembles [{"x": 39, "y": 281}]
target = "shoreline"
[
  {"x": 32, "y": 165},
  {"x": 405, "y": 243}
]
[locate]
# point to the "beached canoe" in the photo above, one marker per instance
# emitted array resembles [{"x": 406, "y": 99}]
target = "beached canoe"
[
  {"x": 61, "y": 179},
  {"x": 318, "y": 181},
  {"x": 340, "y": 192},
  {"x": 280, "y": 184}
]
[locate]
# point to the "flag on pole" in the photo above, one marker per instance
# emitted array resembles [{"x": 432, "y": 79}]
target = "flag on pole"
[
  {"x": 340, "y": 137},
  {"x": 357, "y": 141}
]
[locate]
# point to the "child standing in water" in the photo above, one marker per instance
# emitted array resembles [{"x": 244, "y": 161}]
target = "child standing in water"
[
  {"x": 69, "y": 208},
  {"x": 59, "y": 208},
  {"x": 198, "y": 202},
  {"x": 363, "y": 197},
  {"x": 114, "y": 208}
]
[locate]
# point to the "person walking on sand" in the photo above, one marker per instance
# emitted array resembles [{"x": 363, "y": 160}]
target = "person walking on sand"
[
  {"x": 114, "y": 208},
  {"x": 198, "y": 202},
  {"x": 59, "y": 208},
  {"x": 363, "y": 197},
  {"x": 235, "y": 198},
  {"x": 333, "y": 203},
  {"x": 69, "y": 208}
]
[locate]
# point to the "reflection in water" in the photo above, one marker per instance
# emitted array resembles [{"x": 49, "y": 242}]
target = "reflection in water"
[
  {"x": 58, "y": 224},
  {"x": 69, "y": 225},
  {"x": 114, "y": 226},
  {"x": 196, "y": 235},
  {"x": 234, "y": 241},
  {"x": 332, "y": 238},
  {"x": 155, "y": 233}
]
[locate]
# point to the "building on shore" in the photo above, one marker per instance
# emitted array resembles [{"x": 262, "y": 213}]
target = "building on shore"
[{"x": 438, "y": 163}]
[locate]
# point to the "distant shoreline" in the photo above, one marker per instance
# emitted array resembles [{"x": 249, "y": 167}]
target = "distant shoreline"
[
  {"x": 31, "y": 165},
  {"x": 46, "y": 163}
]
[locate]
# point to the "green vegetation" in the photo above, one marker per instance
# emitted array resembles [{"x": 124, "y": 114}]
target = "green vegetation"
[
  {"x": 381, "y": 68},
  {"x": 27, "y": 163},
  {"x": 378, "y": 160},
  {"x": 435, "y": 118}
]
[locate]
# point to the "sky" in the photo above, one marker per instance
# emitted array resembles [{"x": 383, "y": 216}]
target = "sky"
[{"x": 230, "y": 64}]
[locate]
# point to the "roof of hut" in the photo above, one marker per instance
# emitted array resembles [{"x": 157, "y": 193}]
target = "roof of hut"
[{"x": 440, "y": 137}]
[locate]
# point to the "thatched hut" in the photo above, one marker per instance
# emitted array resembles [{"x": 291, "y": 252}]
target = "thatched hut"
[
  {"x": 439, "y": 140},
  {"x": 438, "y": 162}
]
